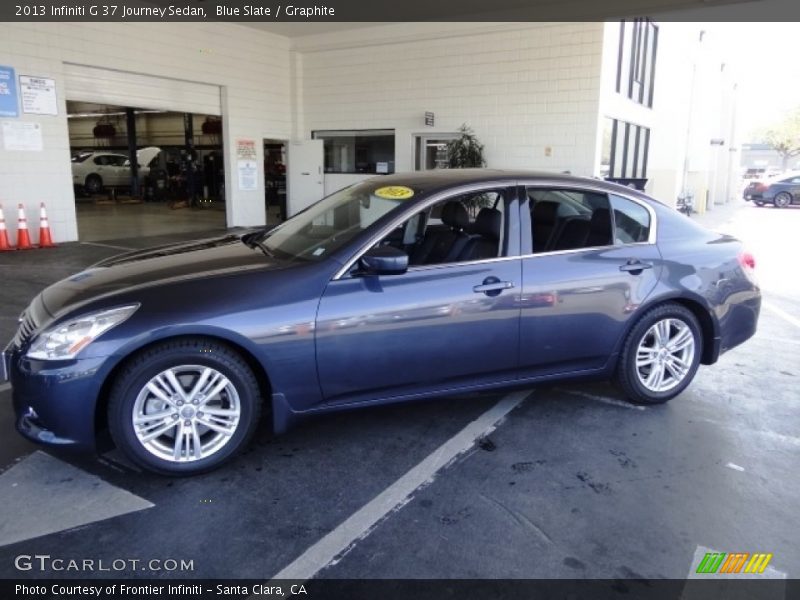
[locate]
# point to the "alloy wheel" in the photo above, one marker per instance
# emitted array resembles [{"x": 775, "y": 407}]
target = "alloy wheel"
[
  {"x": 665, "y": 354},
  {"x": 783, "y": 199},
  {"x": 186, "y": 413}
]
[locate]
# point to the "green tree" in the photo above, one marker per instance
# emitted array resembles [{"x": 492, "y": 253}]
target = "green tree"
[
  {"x": 465, "y": 151},
  {"x": 784, "y": 136}
]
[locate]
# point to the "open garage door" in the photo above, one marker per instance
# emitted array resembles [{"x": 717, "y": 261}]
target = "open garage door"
[
  {"x": 116, "y": 115},
  {"x": 107, "y": 86}
]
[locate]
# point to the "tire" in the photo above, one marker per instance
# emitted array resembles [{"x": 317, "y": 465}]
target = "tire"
[
  {"x": 145, "y": 387},
  {"x": 782, "y": 200},
  {"x": 759, "y": 203},
  {"x": 639, "y": 381},
  {"x": 93, "y": 184}
]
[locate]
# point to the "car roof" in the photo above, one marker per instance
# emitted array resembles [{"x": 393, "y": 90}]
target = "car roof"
[{"x": 436, "y": 179}]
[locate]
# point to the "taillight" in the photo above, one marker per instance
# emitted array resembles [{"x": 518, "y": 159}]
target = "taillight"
[
  {"x": 747, "y": 261},
  {"x": 761, "y": 187},
  {"x": 748, "y": 264}
]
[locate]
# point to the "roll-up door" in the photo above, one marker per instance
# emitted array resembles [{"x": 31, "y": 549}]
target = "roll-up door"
[{"x": 121, "y": 88}]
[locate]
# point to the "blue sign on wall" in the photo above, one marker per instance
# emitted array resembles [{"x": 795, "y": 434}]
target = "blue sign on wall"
[{"x": 9, "y": 105}]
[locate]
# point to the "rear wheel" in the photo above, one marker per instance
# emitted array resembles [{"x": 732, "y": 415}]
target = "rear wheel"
[
  {"x": 661, "y": 355},
  {"x": 759, "y": 203},
  {"x": 783, "y": 199},
  {"x": 184, "y": 407},
  {"x": 93, "y": 184}
]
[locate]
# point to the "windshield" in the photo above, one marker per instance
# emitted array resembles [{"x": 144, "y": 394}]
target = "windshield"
[{"x": 331, "y": 223}]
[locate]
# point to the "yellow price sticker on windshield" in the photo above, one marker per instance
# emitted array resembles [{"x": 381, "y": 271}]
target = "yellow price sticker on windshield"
[{"x": 394, "y": 192}]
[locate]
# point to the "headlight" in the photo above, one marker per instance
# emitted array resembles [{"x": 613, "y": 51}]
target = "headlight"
[{"x": 66, "y": 340}]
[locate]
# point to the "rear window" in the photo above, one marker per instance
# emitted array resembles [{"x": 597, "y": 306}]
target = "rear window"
[{"x": 81, "y": 156}]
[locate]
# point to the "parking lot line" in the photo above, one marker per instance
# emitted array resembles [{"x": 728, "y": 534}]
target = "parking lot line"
[
  {"x": 335, "y": 544},
  {"x": 53, "y": 496},
  {"x": 101, "y": 245},
  {"x": 781, "y": 313}
]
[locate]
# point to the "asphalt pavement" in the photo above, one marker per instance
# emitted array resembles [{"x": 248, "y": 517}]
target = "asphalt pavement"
[{"x": 563, "y": 481}]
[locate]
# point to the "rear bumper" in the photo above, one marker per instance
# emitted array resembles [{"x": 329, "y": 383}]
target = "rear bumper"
[{"x": 740, "y": 322}]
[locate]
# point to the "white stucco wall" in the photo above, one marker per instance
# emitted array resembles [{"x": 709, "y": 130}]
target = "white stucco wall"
[
  {"x": 522, "y": 87},
  {"x": 251, "y": 67}
]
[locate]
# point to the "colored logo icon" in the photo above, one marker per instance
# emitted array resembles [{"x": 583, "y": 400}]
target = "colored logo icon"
[{"x": 737, "y": 562}]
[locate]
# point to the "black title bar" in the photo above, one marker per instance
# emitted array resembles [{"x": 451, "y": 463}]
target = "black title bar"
[
  {"x": 395, "y": 11},
  {"x": 404, "y": 589}
]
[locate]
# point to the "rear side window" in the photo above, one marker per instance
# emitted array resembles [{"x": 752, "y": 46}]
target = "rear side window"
[
  {"x": 568, "y": 219},
  {"x": 631, "y": 221}
]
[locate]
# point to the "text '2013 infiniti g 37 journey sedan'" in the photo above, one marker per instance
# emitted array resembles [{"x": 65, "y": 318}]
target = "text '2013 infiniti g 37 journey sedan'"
[{"x": 400, "y": 287}]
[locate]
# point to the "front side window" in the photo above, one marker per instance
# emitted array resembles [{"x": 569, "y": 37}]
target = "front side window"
[
  {"x": 568, "y": 219},
  {"x": 462, "y": 228}
]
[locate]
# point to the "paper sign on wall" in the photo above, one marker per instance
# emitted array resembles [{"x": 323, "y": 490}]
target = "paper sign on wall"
[
  {"x": 38, "y": 95},
  {"x": 8, "y": 93},
  {"x": 22, "y": 135},
  {"x": 246, "y": 149},
  {"x": 248, "y": 175}
]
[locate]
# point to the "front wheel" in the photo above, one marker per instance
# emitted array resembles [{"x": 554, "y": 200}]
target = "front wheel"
[
  {"x": 93, "y": 184},
  {"x": 661, "y": 355},
  {"x": 184, "y": 407},
  {"x": 783, "y": 200}
]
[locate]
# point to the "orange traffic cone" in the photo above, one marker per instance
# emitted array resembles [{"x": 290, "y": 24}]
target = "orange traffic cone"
[
  {"x": 23, "y": 239},
  {"x": 4, "y": 245},
  {"x": 45, "y": 239}
]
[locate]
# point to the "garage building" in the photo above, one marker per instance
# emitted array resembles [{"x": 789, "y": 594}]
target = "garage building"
[{"x": 352, "y": 101}]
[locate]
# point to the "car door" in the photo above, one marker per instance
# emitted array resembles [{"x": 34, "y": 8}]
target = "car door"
[
  {"x": 433, "y": 328},
  {"x": 119, "y": 169},
  {"x": 793, "y": 186},
  {"x": 581, "y": 289}
]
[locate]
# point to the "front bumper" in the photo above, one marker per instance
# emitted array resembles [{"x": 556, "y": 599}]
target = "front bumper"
[{"x": 55, "y": 402}]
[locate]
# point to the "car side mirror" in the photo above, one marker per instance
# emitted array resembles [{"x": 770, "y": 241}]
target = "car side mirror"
[{"x": 384, "y": 260}]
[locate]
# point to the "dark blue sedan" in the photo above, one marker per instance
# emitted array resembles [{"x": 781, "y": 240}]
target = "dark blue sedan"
[
  {"x": 780, "y": 191},
  {"x": 402, "y": 287}
]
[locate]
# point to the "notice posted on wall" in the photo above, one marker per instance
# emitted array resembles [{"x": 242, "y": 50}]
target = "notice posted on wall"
[
  {"x": 246, "y": 149},
  {"x": 248, "y": 175},
  {"x": 22, "y": 135},
  {"x": 38, "y": 95}
]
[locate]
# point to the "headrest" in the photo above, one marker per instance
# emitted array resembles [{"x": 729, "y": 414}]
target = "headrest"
[
  {"x": 601, "y": 220},
  {"x": 545, "y": 211},
  {"x": 488, "y": 223},
  {"x": 455, "y": 215}
]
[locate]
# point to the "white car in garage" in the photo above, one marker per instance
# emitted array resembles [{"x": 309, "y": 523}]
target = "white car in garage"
[{"x": 93, "y": 171}]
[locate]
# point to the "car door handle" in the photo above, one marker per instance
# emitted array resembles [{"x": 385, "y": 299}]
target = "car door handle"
[
  {"x": 635, "y": 266},
  {"x": 492, "y": 286}
]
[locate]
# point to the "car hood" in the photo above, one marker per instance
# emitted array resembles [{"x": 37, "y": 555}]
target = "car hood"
[
  {"x": 163, "y": 265},
  {"x": 144, "y": 156}
]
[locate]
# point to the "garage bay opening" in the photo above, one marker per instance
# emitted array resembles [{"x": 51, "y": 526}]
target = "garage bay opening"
[{"x": 145, "y": 172}]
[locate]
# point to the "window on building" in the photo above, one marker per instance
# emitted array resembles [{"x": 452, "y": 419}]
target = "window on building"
[
  {"x": 636, "y": 60},
  {"x": 364, "y": 151},
  {"x": 625, "y": 149}
]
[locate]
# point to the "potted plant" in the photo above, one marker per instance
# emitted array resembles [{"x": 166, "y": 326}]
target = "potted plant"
[{"x": 465, "y": 151}]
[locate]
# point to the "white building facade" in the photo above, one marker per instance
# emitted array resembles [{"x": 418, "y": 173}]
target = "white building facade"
[{"x": 538, "y": 96}]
